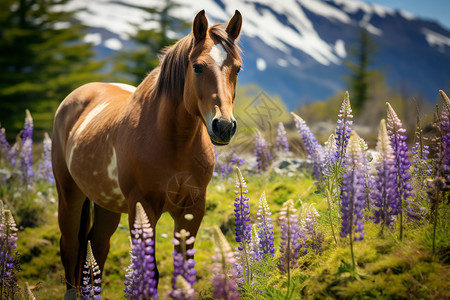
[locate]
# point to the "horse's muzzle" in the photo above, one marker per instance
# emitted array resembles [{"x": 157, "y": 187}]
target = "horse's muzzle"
[{"x": 223, "y": 130}]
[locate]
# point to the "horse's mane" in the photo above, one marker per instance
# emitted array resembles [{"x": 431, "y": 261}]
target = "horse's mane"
[{"x": 168, "y": 78}]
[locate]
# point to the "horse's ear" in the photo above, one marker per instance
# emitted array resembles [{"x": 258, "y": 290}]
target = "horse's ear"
[
  {"x": 200, "y": 26},
  {"x": 234, "y": 26}
]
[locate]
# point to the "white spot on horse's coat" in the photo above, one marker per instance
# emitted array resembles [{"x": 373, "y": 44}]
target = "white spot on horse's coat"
[
  {"x": 69, "y": 161},
  {"x": 218, "y": 53},
  {"x": 91, "y": 115},
  {"x": 124, "y": 86},
  {"x": 112, "y": 167}
]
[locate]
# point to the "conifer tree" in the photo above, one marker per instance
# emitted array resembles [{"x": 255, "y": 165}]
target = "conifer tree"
[
  {"x": 42, "y": 59},
  {"x": 360, "y": 67},
  {"x": 132, "y": 65}
]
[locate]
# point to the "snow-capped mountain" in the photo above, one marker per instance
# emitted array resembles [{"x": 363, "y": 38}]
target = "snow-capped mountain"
[{"x": 295, "y": 48}]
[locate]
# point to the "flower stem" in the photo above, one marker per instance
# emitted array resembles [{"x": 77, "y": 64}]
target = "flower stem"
[
  {"x": 351, "y": 250},
  {"x": 435, "y": 223},
  {"x": 329, "y": 214}
]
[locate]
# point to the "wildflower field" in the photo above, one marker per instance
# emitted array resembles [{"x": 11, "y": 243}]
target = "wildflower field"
[{"x": 338, "y": 221}]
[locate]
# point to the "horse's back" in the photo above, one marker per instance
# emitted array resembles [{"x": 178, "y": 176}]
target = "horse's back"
[
  {"x": 85, "y": 97},
  {"x": 83, "y": 136}
]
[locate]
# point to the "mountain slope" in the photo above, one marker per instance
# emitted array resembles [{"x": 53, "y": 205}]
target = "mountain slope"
[{"x": 295, "y": 48}]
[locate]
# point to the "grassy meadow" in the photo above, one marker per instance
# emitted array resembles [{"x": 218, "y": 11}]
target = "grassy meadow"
[{"x": 386, "y": 265}]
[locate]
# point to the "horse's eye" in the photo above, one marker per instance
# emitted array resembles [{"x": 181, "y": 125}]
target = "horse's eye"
[
  {"x": 238, "y": 69},
  {"x": 197, "y": 69}
]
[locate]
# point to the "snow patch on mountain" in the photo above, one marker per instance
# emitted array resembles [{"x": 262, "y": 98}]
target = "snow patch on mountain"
[
  {"x": 339, "y": 48},
  {"x": 353, "y": 6},
  {"x": 94, "y": 38},
  {"x": 436, "y": 39},
  {"x": 113, "y": 44}
]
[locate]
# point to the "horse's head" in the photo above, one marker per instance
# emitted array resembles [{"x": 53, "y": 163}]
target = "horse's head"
[{"x": 210, "y": 88}]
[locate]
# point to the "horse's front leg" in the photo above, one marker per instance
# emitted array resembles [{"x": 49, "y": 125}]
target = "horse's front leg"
[{"x": 189, "y": 217}]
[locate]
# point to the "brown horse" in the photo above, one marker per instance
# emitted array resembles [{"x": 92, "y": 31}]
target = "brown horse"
[{"x": 116, "y": 145}]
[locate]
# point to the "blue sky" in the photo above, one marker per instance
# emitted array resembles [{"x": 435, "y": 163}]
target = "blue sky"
[{"x": 430, "y": 9}]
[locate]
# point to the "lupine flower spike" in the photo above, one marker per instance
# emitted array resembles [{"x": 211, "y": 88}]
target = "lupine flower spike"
[
  {"x": 397, "y": 137},
  {"x": 243, "y": 226},
  {"x": 422, "y": 168},
  {"x": 255, "y": 251},
  {"x": 308, "y": 225},
  {"x": 441, "y": 170},
  {"x": 223, "y": 281},
  {"x": 8, "y": 239},
  {"x": 369, "y": 178},
  {"x": 262, "y": 153},
  {"x": 352, "y": 193},
  {"x": 26, "y": 154},
  {"x": 383, "y": 192},
  {"x": 329, "y": 156},
  {"x": 5, "y": 147},
  {"x": 27, "y": 293},
  {"x": 343, "y": 129},
  {"x": 184, "y": 266},
  {"x": 129, "y": 276},
  {"x": 445, "y": 127},
  {"x": 290, "y": 235},
  {"x": 91, "y": 285},
  {"x": 265, "y": 231},
  {"x": 45, "y": 168},
  {"x": 282, "y": 141},
  {"x": 143, "y": 257},
  {"x": 314, "y": 149}
]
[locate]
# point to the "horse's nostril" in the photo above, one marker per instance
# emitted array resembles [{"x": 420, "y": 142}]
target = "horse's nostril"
[
  {"x": 234, "y": 128},
  {"x": 223, "y": 129},
  {"x": 215, "y": 127}
]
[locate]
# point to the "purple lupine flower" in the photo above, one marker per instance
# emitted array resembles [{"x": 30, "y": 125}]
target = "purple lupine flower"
[
  {"x": 143, "y": 257},
  {"x": 5, "y": 147},
  {"x": 184, "y": 266},
  {"x": 422, "y": 168},
  {"x": 45, "y": 171},
  {"x": 224, "y": 282},
  {"x": 26, "y": 153},
  {"x": 403, "y": 179},
  {"x": 290, "y": 234},
  {"x": 13, "y": 153},
  {"x": 261, "y": 152},
  {"x": 314, "y": 149},
  {"x": 344, "y": 128},
  {"x": 227, "y": 167},
  {"x": 265, "y": 232},
  {"x": 445, "y": 128},
  {"x": 91, "y": 288},
  {"x": 243, "y": 226},
  {"x": 282, "y": 141},
  {"x": 383, "y": 191},
  {"x": 236, "y": 161},
  {"x": 8, "y": 243},
  {"x": 420, "y": 154},
  {"x": 352, "y": 193}
]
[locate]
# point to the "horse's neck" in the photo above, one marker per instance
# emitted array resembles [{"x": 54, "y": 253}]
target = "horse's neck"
[{"x": 168, "y": 116}]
